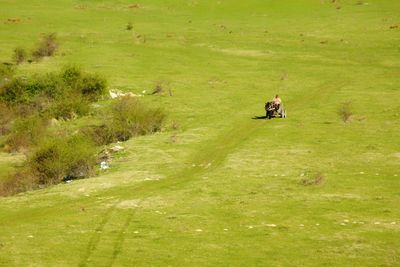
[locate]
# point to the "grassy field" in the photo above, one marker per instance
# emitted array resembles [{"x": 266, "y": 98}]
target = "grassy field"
[{"x": 224, "y": 189}]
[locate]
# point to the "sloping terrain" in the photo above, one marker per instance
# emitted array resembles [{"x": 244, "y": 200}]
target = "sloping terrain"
[{"x": 223, "y": 188}]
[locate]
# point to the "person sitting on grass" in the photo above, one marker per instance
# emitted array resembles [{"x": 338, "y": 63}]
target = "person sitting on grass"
[{"x": 277, "y": 102}]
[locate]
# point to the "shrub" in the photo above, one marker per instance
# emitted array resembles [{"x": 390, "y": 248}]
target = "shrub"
[
  {"x": 129, "y": 117},
  {"x": 20, "y": 55},
  {"x": 47, "y": 46},
  {"x": 345, "y": 111},
  {"x": 100, "y": 135},
  {"x": 25, "y": 132},
  {"x": 316, "y": 179},
  {"x": 6, "y": 74},
  {"x": 129, "y": 26},
  {"x": 18, "y": 182},
  {"x": 69, "y": 107},
  {"x": 7, "y": 71},
  {"x": 14, "y": 91},
  {"x": 92, "y": 86},
  {"x": 7, "y": 115},
  {"x": 58, "y": 158},
  {"x": 71, "y": 75},
  {"x": 66, "y": 93}
]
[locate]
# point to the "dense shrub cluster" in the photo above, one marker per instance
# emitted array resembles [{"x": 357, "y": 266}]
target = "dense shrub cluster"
[
  {"x": 25, "y": 132},
  {"x": 52, "y": 161},
  {"x": 28, "y": 103},
  {"x": 61, "y": 95},
  {"x": 57, "y": 158},
  {"x": 128, "y": 118}
]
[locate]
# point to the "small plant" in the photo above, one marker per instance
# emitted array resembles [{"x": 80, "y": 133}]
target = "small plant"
[
  {"x": 315, "y": 179},
  {"x": 20, "y": 55},
  {"x": 345, "y": 111},
  {"x": 158, "y": 89},
  {"x": 47, "y": 47},
  {"x": 129, "y": 26},
  {"x": 174, "y": 125}
]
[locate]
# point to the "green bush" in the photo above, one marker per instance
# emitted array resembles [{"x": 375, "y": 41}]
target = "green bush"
[
  {"x": 6, "y": 73},
  {"x": 22, "y": 90},
  {"x": 7, "y": 115},
  {"x": 63, "y": 95},
  {"x": 18, "y": 182},
  {"x": 58, "y": 158},
  {"x": 47, "y": 46},
  {"x": 69, "y": 107},
  {"x": 129, "y": 117},
  {"x": 100, "y": 135},
  {"x": 25, "y": 132},
  {"x": 71, "y": 75},
  {"x": 92, "y": 86},
  {"x": 20, "y": 55}
]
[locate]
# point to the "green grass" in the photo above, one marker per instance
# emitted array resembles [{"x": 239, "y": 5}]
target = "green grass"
[{"x": 169, "y": 197}]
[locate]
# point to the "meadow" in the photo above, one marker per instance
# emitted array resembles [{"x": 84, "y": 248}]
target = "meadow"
[{"x": 217, "y": 186}]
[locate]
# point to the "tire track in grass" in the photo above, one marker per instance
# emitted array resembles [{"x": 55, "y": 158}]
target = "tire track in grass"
[
  {"x": 120, "y": 239},
  {"x": 210, "y": 155},
  {"x": 214, "y": 151},
  {"x": 96, "y": 236}
]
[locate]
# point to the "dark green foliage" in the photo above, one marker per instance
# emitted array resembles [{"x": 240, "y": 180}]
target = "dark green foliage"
[
  {"x": 18, "y": 182},
  {"x": 69, "y": 107},
  {"x": 60, "y": 157},
  {"x": 6, "y": 73},
  {"x": 92, "y": 86},
  {"x": 7, "y": 115},
  {"x": 20, "y": 55},
  {"x": 47, "y": 46},
  {"x": 128, "y": 118},
  {"x": 71, "y": 75},
  {"x": 129, "y": 113},
  {"x": 100, "y": 135},
  {"x": 25, "y": 132},
  {"x": 62, "y": 95}
]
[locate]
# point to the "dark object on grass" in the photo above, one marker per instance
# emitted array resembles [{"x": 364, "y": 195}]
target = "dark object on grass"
[
  {"x": 274, "y": 111},
  {"x": 317, "y": 179},
  {"x": 345, "y": 111}
]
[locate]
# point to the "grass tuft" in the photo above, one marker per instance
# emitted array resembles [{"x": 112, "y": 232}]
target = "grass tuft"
[{"x": 47, "y": 47}]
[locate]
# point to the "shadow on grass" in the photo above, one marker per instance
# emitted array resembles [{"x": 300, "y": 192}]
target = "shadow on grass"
[{"x": 259, "y": 118}]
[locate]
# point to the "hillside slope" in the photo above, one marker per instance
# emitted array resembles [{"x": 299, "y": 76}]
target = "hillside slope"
[{"x": 224, "y": 188}]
